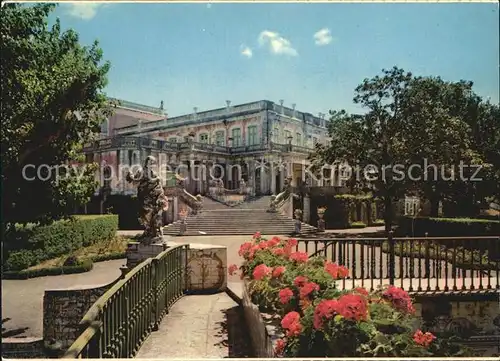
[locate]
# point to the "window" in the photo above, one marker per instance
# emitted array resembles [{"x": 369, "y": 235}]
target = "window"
[
  {"x": 288, "y": 135},
  {"x": 219, "y": 138},
  {"x": 298, "y": 139},
  {"x": 236, "y": 135},
  {"x": 104, "y": 127},
  {"x": 172, "y": 140},
  {"x": 276, "y": 135},
  {"x": 204, "y": 138},
  {"x": 252, "y": 135}
]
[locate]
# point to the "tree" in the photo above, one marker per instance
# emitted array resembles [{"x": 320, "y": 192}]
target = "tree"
[
  {"x": 375, "y": 139},
  {"x": 456, "y": 131},
  {"x": 52, "y": 102},
  {"x": 412, "y": 123}
]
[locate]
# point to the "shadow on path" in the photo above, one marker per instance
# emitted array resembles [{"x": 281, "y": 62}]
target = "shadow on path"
[
  {"x": 234, "y": 334},
  {"x": 15, "y": 332}
]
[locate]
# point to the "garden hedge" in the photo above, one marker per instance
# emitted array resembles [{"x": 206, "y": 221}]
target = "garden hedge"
[
  {"x": 29, "y": 245},
  {"x": 446, "y": 227},
  {"x": 84, "y": 266}
]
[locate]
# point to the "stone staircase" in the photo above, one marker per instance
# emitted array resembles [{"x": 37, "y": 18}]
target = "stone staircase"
[
  {"x": 209, "y": 204},
  {"x": 245, "y": 219}
]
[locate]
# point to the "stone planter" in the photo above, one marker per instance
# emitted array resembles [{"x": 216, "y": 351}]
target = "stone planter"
[{"x": 263, "y": 328}]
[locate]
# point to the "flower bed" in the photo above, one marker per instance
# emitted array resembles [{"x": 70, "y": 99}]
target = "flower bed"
[{"x": 298, "y": 295}]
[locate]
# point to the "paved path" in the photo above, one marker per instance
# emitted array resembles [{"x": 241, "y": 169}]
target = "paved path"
[
  {"x": 22, "y": 300},
  {"x": 208, "y": 326}
]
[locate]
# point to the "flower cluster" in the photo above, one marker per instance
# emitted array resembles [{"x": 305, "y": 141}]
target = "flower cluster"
[
  {"x": 399, "y": 299},
  {"x": 291, "y": 323},
  {"x": 350, "y": 307},
  {"x": 423, "y": 339},
  {"x": 335, "y": 270}
]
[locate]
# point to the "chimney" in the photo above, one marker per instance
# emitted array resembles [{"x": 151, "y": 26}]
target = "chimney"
[
  {"x": 161, "y": 105},
  {"x": 228, "y": 103},
  {"x": 281, "y": 103},
  {"x": 294, "y": 111},
  {"x": 195, "y": 109}
]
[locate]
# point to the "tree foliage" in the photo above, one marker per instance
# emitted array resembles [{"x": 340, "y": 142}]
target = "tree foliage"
[
  {"x": 52, "y": 102},
  {"x": 410, "y": 124}
]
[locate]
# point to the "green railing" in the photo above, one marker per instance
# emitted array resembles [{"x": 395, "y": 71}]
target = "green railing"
[{"x": 120, "y": 320}]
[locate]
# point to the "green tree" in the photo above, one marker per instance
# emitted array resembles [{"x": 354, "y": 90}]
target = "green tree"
[
  {"x": 375, "y": 138},
  {"x": 52, "y": 102},
  {"x": 452, "y": 126},
  {"x": 417, "y": 122}
]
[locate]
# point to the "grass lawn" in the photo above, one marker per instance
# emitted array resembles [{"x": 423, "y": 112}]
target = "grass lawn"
[{"x": 115, "y": 246}]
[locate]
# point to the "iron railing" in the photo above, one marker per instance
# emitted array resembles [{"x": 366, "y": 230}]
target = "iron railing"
[
  {"x": 415, "y": 264},
  {"x": 120, "y": 320}
]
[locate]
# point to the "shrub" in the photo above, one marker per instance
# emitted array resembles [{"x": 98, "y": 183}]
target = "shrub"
[
  {"x": 358, "y": 225},
  {"x": 30, "y": 245},
  {"x": 378, "y": 222},
  {"x": 84, "y": 266},
  {"x": 446, "y": 227},
  {"x": 319, "y": 320}
]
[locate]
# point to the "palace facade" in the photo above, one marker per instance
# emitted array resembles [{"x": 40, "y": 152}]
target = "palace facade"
[{"x": 260, "y": 143}]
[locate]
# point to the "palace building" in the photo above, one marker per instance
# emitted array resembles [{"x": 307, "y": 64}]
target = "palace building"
[{"x": 237, "y": 142}]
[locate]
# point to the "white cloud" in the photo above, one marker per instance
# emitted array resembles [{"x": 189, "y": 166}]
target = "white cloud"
[
  {"x": 84, "y": 11},
  {"x": 323, "y": 37},
  {"x": 246, "y": 51},
  {"x": 277, "y": 44}
]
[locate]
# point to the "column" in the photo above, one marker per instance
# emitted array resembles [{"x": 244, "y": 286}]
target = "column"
[
  {"x": 307, "y": 209},
  {"x": 263, "y": 178},
  {"x": 292, "y": 174},
  {"x": 136, "y": 158},
  {"x": 176, "y": 208},
  {"x": 162, "y": 168},
  {"x": 273, "y": 179},
  {"x": 120, "y": 170},
  {"x": 227, "y": 176}
]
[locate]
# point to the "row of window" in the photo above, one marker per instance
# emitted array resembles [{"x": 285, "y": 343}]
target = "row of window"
[
  {"x": 252, "y": 137},
  {"x": 286, "y": 136},
  {"x": 220, "y": 139}
]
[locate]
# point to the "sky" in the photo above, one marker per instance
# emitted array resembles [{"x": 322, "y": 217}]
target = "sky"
[{"x": 313, "y": 55}]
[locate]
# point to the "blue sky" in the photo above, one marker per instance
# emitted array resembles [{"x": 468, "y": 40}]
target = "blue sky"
[{"x": 200, "y": 55}]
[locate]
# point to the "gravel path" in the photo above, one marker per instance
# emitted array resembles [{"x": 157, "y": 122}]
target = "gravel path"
[
  {"x": 199, "y": 327},
  {"x": 22, "y": 300}
]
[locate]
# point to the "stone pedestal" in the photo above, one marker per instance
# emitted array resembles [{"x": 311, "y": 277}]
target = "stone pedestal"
[
  {"x": 298, "y": 225},
  {"x": 321, "y": 222},
  {"x": 138, "y": 252},
  {"x": 206, "y": 268}
]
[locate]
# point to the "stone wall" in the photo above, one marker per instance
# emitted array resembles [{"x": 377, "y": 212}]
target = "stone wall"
[
  {"x": 262, "y": 329},
  {"x": 64, "y": 309},
  {"x": 14, "y": 348},
  {"x": 464, "y": 315}
]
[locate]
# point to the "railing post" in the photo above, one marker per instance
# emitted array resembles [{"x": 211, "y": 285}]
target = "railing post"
[
  {"x": 155, "y": 309},
  {"x": 392, "y": 258}
]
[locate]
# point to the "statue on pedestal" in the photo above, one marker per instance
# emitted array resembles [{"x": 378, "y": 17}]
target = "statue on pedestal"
[
  {"x": 152, "y": 201},
  {"x": 321, "y": 221},
  {"x": 298, "y": 220},
  {"x": 243, "y": 187}
]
